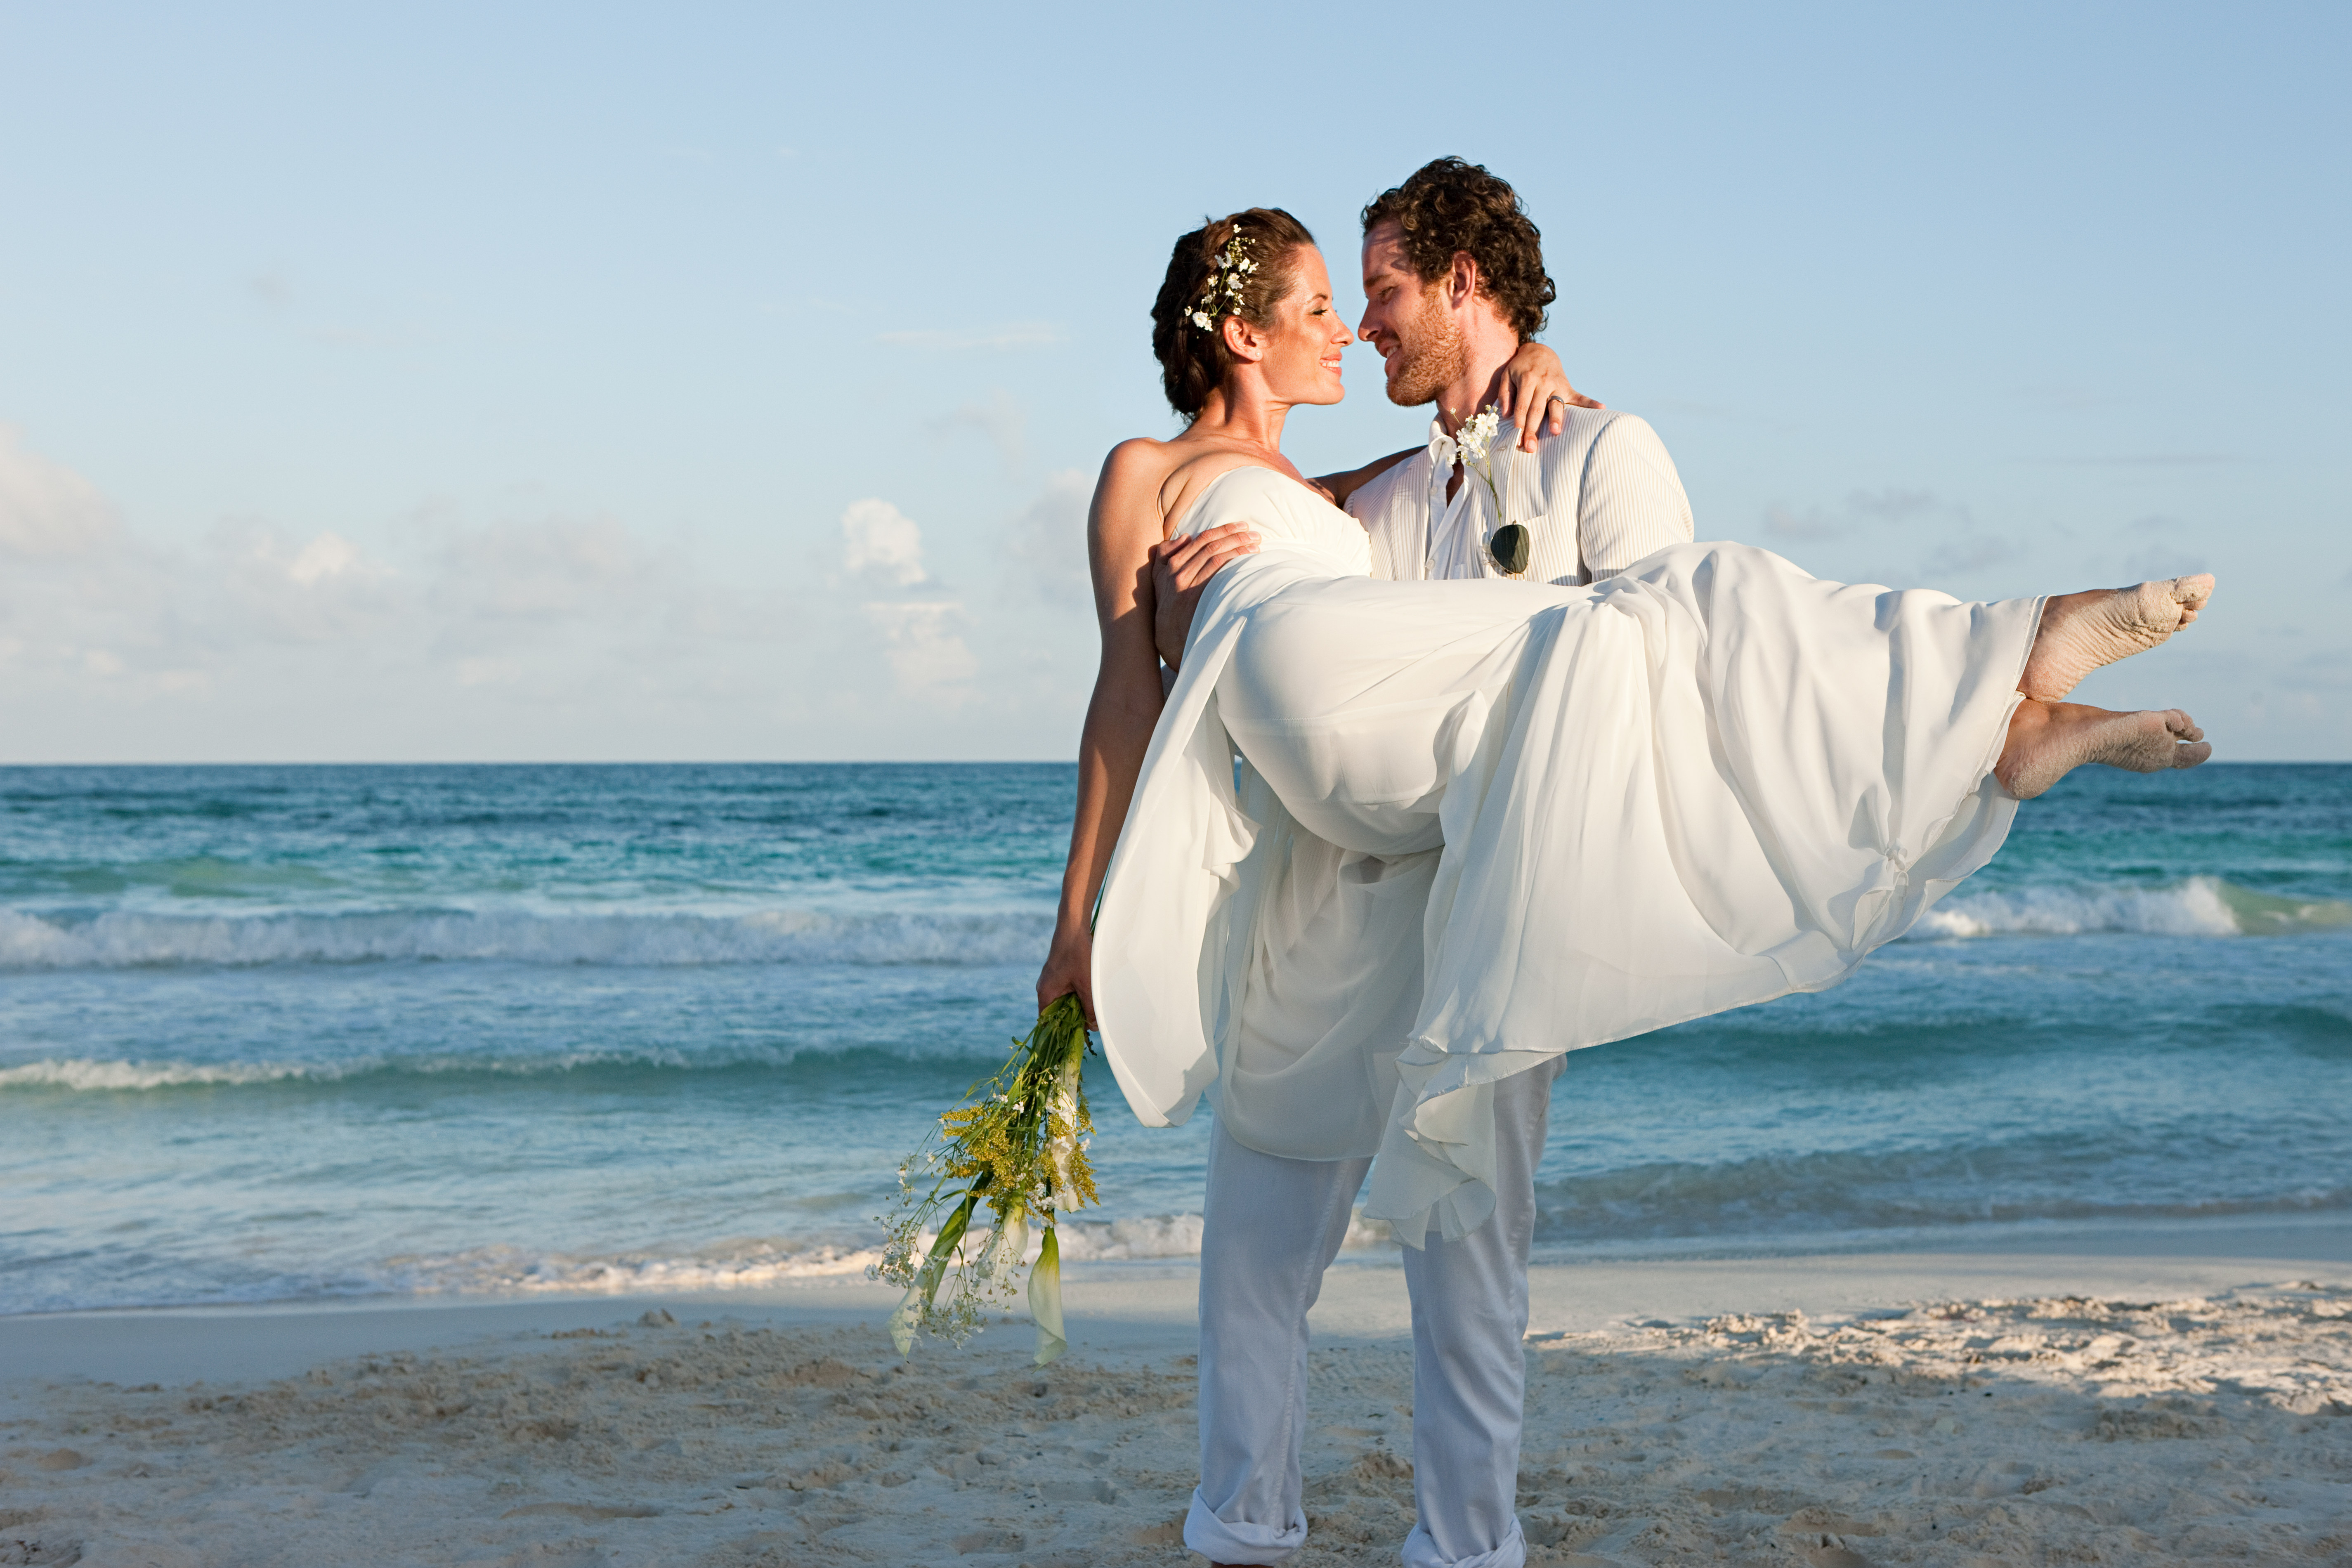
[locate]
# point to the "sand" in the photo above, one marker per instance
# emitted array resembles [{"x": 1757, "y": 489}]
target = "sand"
[{"x": 2119, "y": 1402}]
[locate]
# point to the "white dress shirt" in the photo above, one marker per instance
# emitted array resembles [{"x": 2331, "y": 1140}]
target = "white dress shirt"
[{"x": 1595, "y": 499}]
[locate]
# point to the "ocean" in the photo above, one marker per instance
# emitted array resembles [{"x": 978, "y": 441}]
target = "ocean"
[{"x": 280, "y": 1034}]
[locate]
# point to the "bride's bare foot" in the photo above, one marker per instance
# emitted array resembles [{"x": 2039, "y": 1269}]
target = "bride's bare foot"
[
  {"x": 2080, "y": 632},
  {"x": 2047, "y": 741}
]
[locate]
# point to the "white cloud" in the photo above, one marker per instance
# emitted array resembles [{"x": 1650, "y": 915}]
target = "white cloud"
[
  {"x": 554, "y": 569},
  {"x": 47, "y": 511},
  {"x": 325, "y": 589},
  {"x": 440, "y": 636},
  {"x": 329, "y": 555},
  {"x": 1970, "y": 552},
  {"x": 1862, "y": 509},
  {"x": 1893, "y": 535},
  {"x": 2167, "y": 547},
  {"x": 924, "y": 644},
  {"x": 1047, "y": 542},
  {"x": 922, "y": 639},
  {"x": 881, "y": 545},
  {"x": 270, "y": 638},
  {"x": 1000, "y": 420},
  {"x": 1813, "y": 522}
]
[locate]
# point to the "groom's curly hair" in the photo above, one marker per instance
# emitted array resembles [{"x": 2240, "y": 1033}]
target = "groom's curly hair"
[
  {"x": 1192, "y": 359},
  {"x": 1449, "y": 207}
]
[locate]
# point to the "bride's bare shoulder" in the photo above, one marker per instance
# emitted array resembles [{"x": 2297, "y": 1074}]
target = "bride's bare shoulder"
[
  {"x": 1133, "y": 473},
  {"x": 1162, "y": 479}
]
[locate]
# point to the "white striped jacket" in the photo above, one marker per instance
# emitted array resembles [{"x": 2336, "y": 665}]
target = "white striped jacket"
[{"x": 1595, "y": 498}]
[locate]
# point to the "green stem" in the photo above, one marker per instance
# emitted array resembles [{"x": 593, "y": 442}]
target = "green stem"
[{"x": 935, "y": 1263}]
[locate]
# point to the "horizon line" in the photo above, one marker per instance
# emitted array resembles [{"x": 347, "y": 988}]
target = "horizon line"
[{"x": 816, "y": 763}]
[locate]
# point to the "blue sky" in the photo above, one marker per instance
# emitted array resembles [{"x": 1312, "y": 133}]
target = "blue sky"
[{"x": 522, "y": 383}]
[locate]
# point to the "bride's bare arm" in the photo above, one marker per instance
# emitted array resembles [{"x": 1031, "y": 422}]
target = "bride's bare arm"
[
  {"x": 1339, "y": 486},
  {"x": 1533, "y": 379},
  {"x": 1121, "y": 528}
]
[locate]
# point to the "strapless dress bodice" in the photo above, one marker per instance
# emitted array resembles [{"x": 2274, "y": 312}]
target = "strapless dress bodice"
[{"x": 1294, "y": 523}]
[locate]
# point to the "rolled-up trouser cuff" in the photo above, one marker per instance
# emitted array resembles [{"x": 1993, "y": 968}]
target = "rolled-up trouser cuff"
[
  {"x": 1218, "y": 1541},
  {"x": 1421, "y": 1551}
]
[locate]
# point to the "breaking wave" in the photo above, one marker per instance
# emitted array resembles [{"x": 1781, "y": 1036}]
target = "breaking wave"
[
  {"x": 750, "y": 1265},
  {"x": 125, "y": 940},
  {"x": 744, "y": 1264},
  {"x": 87, "y": 1074},
  {"x": 2199, "y": 906}
]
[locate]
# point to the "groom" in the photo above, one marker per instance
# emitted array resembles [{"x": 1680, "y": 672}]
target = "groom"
[{"x": 1453, "y": 283}]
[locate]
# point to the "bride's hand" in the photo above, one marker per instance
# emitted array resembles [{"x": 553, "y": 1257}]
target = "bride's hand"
[
  {"x": 1532, "y": 380},
  {"x": 1069, "y": 971},
  {"x": 1180, "y": 568}
]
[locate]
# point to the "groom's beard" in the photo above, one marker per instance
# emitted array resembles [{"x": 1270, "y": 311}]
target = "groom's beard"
[{"x": 1430, "y": 354}]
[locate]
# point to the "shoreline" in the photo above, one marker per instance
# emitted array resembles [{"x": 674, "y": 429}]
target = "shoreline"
[
  {"x": 2131, "y": 1402},
  {"x": 1143, "y": 1306}
]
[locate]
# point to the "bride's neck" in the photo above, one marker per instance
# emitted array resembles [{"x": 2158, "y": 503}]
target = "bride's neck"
[{"x": 1242, "y": 410}]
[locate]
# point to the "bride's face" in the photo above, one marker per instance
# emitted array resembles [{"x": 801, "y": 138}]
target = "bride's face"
[{"x": 1301, "y": 362}]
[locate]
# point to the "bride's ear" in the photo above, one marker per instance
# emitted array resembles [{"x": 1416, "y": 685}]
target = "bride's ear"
[{"x": 1243, "y": 340}]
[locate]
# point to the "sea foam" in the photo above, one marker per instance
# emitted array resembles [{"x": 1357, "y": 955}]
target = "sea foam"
[
  {"x": 2198, "y": 906},
  {"x": 126, "y": 939},
  {"x": 750, "y": 1265}
]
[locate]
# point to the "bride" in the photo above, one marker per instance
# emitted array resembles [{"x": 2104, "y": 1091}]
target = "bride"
[{"x": 1704, "y": 782}]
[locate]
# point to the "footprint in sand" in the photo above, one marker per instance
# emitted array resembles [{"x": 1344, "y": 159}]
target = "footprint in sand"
[{"x": 582, "y": 1511}]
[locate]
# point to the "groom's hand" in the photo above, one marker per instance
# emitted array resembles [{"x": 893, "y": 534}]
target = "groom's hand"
[{"x": 1180, "y": 568}]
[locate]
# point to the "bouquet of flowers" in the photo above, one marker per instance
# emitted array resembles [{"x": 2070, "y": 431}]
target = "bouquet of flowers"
[{"x": 1018, "y": 1144}]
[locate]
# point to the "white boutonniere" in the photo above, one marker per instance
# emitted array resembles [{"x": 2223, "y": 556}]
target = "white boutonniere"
[{"x": 1476, "y": 441}]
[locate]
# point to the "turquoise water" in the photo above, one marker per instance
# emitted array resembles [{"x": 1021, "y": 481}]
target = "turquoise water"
[{"x": 285, "y": 1033}]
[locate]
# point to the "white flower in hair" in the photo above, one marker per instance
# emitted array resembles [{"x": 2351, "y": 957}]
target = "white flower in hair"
[{"x": 1227, "y": 271}]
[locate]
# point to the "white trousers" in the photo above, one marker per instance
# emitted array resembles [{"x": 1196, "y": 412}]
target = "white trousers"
[{"x": 1272, "y": 1227}]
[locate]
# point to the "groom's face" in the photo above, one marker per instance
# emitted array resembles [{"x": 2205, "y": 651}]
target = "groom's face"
[{"x": 1420, "y": 341}]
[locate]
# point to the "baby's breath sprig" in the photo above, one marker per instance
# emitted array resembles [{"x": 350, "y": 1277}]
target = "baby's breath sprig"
[
  {"x": 1018, "y": 1144},
  {"x": 1476, "y": 441},
  {"x": 1229, "y": 273}
]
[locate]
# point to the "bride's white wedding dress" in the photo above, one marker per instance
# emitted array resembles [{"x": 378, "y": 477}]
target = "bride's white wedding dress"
[{"x": 1586, "y": 813}]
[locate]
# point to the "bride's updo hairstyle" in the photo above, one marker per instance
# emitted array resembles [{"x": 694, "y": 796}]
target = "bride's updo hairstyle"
[{"x": 1194, "y": 358}]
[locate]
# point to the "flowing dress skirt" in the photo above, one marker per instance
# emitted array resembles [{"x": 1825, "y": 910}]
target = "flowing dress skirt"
[{"x": 1703, "y": 783}]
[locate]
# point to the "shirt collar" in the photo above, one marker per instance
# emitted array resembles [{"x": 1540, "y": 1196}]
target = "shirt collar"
[{"x": 1443, "y": 453}]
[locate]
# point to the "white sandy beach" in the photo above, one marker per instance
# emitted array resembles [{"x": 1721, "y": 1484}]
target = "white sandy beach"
[{"x": 2170, "y": 1396}]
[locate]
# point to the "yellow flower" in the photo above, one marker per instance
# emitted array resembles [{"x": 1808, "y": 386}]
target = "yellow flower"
[{"x": 1017, "y": 1144}]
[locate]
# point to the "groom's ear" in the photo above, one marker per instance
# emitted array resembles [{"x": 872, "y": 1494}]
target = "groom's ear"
[{"x": 1462, "y": 279}]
